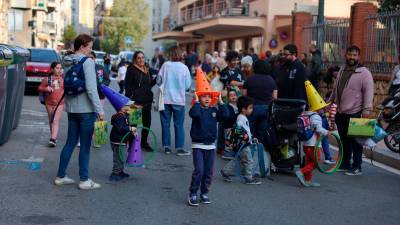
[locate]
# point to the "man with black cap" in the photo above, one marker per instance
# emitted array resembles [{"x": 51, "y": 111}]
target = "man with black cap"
[{"x": 291, "y": 80}]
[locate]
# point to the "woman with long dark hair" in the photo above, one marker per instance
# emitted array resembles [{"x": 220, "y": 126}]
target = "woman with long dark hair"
[
  {"x": 53, "y": 86},
  {"x": 138, "y": 84}
]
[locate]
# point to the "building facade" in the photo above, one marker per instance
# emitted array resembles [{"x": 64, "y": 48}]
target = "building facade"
[
  {"x": 83, "y": 15},
  {"x": 4, "y": 7},
  {"x": 38, "y": 23},
  {"x": 219, "y": 25}
]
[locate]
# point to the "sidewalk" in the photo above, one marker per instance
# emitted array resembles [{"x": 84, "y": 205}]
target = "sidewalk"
[{"x": 383, "y": 155}]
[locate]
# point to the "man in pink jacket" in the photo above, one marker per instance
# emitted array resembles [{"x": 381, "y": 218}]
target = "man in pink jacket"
[{"x": 353, "y": 93}]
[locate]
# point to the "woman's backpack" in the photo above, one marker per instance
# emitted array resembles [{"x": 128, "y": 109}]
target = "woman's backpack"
[
  {"x": 74, "y": 80},
  {"x": 42, "y": 95}
]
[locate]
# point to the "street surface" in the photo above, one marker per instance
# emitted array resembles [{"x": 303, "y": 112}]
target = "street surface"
[{"x": 157, "y": 195}]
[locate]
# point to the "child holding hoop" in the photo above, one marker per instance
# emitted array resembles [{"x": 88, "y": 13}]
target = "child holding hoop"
[{"x": 120, "y": 127}]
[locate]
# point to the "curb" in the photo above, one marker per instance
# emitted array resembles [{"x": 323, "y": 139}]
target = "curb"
[{"x": 382, "y": 158}]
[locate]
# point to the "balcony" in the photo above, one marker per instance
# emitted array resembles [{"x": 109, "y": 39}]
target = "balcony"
[
  {"x": 49, "y": 27},
  {"x": 51, "y": 5},
  {"x": 20, "y": 4},
  {"x": 198, "y": 11}
]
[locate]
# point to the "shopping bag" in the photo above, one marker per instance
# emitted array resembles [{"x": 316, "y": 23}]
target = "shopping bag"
[
  {"x": 380, "y": 134},
  {"x": 361, "y": 127},
  {"x": 135, "y": 117},
  {"x": 101, "y": 133},
  {"x": 158, "y": 101}
]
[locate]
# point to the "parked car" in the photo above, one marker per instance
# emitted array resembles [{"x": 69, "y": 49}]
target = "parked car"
[
  {"x": 99, "y": 57},
  {"x": 124, "y": 56},
  {"x": 38, "y": 66}
]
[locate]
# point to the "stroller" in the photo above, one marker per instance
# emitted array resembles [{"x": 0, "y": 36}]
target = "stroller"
[{"x": 281, "y": 135}]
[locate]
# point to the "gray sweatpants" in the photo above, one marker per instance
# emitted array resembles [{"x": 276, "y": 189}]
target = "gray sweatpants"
[
  {"x": 118, "y": 163},
  {"x": 246, "y": 164}
]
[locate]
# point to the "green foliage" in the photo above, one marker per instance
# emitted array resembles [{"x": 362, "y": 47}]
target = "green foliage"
[
  {"x": 69, "y": 36},
  {"x": 128, "y": 18},
  {"x": 109, "y": 45},
  {"x": 389, "y": 5}
]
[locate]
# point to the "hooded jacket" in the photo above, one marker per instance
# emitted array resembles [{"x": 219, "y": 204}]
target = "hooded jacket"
[{"x": 88, "y": 101}]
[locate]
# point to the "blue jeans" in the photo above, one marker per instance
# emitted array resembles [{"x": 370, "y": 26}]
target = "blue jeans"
[
  {"x": 259, "y": 122},
  {"x": 177, "y": 112},
  {"x": 203, "y": 161},
  {"x": 80, "y": 127},
  {"x": 325, "y": 140}
]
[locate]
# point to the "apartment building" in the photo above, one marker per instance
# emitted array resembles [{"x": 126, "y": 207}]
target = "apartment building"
[
  {"x": 83, "y": 15},
  {"x": 37, "y": 23},
  {"x": 218, "y": 25},
  {"x": 4, "y": 7}
]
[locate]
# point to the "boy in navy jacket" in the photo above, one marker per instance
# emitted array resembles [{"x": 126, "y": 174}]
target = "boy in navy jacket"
[
  {"x": 204, "y": 133},
  {"x": 120, "y": 127}
]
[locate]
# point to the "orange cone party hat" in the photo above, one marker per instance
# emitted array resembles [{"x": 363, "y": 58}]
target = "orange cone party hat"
[{"x": 203, "y": 87}]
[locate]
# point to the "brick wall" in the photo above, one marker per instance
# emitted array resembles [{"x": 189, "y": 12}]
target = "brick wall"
[{"x": 299, "y": 20}]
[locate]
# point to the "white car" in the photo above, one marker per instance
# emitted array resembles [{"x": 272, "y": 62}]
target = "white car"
[
  {"x": 99, "y": 57},
  {"x": 127, "y": 56}
]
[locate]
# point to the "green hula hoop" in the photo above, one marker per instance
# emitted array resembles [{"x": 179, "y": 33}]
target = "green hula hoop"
[
  {"x": 153, "y": 145},
  {"x": 335, "y": 167}
]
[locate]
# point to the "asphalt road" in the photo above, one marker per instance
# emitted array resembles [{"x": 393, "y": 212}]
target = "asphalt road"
[{"x": 157, "y": 194}]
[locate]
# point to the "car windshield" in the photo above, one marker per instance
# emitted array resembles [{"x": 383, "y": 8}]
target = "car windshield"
[
  {"x": 39, "y": 55},
  {"x": 100, "y": 55}
]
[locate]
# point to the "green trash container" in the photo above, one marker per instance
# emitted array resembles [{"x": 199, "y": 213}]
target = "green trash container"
[
  {"x": 6, "y": 57},
  {"x": 22, "y": 56},
  {"x": 10, "y": 99}
]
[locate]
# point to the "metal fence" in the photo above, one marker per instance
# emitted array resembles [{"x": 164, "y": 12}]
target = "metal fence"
[
  {"x": 381, "y": 41},
  {"x": 332, "y": 37}
]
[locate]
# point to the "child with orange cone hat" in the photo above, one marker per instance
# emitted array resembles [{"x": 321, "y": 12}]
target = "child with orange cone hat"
[{"x": 203, "y": 87}]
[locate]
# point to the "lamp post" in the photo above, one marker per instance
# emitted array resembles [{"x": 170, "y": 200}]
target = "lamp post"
[{"x": 321, "y": 30}]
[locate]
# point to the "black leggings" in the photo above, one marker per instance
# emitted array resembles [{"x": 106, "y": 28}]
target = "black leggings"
[{"x": 146, "y": 119}]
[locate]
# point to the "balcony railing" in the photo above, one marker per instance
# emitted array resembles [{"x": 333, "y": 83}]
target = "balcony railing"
[{"x": 212, "y": 10}]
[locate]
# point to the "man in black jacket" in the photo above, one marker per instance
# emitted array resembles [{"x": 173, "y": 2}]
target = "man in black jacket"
[
  {"x": 315, "y": 66},
  {"x": 291, "y": 80}
]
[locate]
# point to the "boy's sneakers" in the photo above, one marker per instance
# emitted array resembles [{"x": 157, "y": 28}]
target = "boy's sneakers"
[
  {"x": 312, "y": 184},
  {"x": 193, "y": 201},
  {"x": 204, "y": 199},
  {"x": 63, "y": 181},
  {"x": 225, "y": 176},
  {"x": 123, "y": 174},
  {"x": 252, "y": 181},
  {"x": 330, "y": 161},
  {"x": 52, "y": 142},
  {"x": 300, "y": 177},
  {"x": 88, "y": 185},
  {"x": 167, "y": 150},
  {"x": 115, "y": 177},
  {"x": 181, "y": 152},
  {"x": 354, "y": 172}
]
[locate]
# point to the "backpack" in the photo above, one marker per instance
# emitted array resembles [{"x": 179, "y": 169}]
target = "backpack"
[
  {"x": 304, "y": 128},
  {"x": 42, "y": 95},
  {"x": 236, "y": 138},
  {"x": 74, "y": 80}
]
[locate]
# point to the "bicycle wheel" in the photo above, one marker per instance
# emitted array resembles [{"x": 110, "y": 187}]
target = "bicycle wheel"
[
  {"x": 336, "y": 154},
  {"x": 392, "y": 141},
  {"x": 149, "y": 157}
]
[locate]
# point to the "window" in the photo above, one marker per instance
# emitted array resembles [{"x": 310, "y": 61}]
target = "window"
[{"x": 15, "y": 20}]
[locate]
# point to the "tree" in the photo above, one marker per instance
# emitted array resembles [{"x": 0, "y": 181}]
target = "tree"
[
  {"x": 69, "y": 36},
  {"x": 389, "y": 5},
  {"x": 128, "y": 18}
]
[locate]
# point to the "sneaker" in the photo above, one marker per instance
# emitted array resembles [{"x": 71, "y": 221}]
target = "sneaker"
[
  {"x": 204, "y": 199},
  {"x": 167, "y": 150},
  {"x": 312, "y": 184},
  {"x": 63, "y": 181},
  {"x": 115, "y": 177},
  {"x": 52, "y": 142},
  {"x": 123, "y": 174},
  {"x": 192, "y": 200},
  {"x": 88, "y": 185},
  {"x": 225, "y": 176},
  {"x": 354, "y": 172},
  {"x": 252, "y": 181},
  {"x": 78, "y": 145},
  {"x": 330, "y": 161},
  {"x": 300, "y": 177},
  {"x": 97, "y": 146},
  {"x": 181, "y": 152}
]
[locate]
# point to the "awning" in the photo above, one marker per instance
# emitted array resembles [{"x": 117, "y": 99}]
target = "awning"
[
  {"x": 176, "y": 35},
  {"x": 228, "y": 26}
]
